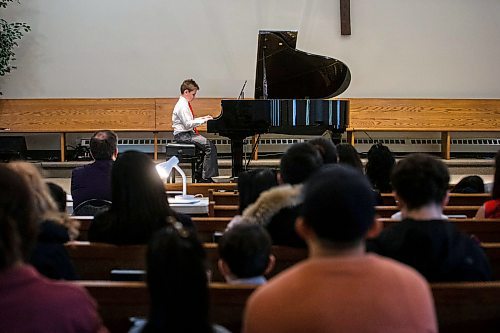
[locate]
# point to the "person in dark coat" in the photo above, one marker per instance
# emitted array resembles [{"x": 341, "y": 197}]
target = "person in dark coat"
[
  {"x": 423, "y": 240},
  {"x": 93, "y": 181}
]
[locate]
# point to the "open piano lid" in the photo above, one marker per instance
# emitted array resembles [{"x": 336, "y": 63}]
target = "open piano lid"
[{"x": 285, "y": 72}]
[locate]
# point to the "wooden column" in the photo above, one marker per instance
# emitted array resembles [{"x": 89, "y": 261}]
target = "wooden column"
[
  {"x": 446, "y": 145},
  {"x": 62, "y": 143},
  {"x": 345, "y": 17},
  {"x": 155, "y": 145}
]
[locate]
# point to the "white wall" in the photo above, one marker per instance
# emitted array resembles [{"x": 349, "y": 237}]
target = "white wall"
[{"x": 125, "y": 48}]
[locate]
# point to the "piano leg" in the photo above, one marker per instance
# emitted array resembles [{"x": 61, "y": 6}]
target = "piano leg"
[{"x": 237, "y": 155}]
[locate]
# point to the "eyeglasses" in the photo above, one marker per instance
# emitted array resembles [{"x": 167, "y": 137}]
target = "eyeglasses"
[{"x": 179, "y": 227}]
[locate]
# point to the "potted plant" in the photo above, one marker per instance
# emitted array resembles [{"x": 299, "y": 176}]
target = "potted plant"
[{"x": 10, "y": 33}]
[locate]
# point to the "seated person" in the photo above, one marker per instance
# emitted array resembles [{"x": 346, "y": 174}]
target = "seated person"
[
  {"x": 177, "y": 283},
  {"x": 30, "y": 302},
  {"x": 93, "y": 181},
  {"x": 252, "y": 183},
  {"x": 277, "y": 208},
  {"x": 348, "y": 155},
  {"x": 340, "y": 288},
  {"x": 55, "y": 228},
  {"x": 58, "y": 194},
  {"x": 245, "y": 254},
  {"x": 423, "y": 239},
  {"x": 379, "y": 166},
  {"x": 139, "y": 203},
  {"x": 491, "y": 208},
  {"x": 469, "y": 184},
  {"x": 326, "y": 149}
]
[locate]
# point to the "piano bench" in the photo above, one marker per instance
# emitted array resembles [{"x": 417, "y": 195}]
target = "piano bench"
[{"x": 186, "y": 153}]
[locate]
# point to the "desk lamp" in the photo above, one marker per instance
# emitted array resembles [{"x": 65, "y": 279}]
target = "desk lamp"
[{"x": 165, "y": 168}]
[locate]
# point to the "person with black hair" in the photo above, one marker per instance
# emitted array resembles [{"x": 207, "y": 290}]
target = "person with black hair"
[
  {"x": 93, "y": 181},
  {"x": 326, "y": 148},
  {"x": 245, "y": 254},
  {"x": 252, "y": 183},
  {"x": 469, "y": 184},
  {"x": 177, "y": 283},
  {"x": 348, "y": 155},
  {"x": 277, "y": 208},
  {"x": 340, "y": 287},
  {"x": 139, "y": 203},
  {"x": 59, "y": 196},
  {"x": 423, "y": 239},
  {"x": 491, "y": 208},
  {"x": 30, "y": 302},
  {"x": 379, "y": 167}
]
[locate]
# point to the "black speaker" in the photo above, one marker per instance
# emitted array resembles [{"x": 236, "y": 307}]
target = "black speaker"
[{"x": 12, "y": 148}]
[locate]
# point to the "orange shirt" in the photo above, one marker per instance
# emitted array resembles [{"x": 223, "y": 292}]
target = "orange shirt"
[{"x": 343, "y": 294}]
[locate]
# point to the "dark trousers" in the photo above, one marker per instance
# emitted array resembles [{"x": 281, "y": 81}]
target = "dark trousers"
[{"x": 210, "y": 166}]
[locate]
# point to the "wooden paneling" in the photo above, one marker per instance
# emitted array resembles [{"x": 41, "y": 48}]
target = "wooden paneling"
[
  {"x": 387, "y": 114},
  {"x": 77, "y": 115}
]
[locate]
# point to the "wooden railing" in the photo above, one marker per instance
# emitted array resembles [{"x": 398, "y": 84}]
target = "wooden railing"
[
  {"x": 154, "y": 115},
  {"x": 460, "y": 306}
]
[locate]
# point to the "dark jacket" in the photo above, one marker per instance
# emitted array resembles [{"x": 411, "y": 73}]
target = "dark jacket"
[
  {"x": 436, "y": 248},
  {"x": 91, "y": 181},
  {"x": 50, "y": 257}
]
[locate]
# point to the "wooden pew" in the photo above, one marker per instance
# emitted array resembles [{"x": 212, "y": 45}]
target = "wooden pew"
[
  {"x": 224, "y": 197},
  {"x": 468, "y": 211},
  {"x": 467, "y": 307},
  {"x": 460, "y": 307},
  {"x": 486, "y": 230},
  {"x": 94, "y": 261},
  {"x": 456, "y": 199},
  {"x": 202, "y": 188}
]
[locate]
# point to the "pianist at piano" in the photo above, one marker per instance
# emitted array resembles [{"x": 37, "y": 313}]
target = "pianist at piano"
[{"x": 184, "y": 123}]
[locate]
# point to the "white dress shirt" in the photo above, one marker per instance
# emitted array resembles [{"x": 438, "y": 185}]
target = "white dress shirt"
[{"x": 182, "y": 118}]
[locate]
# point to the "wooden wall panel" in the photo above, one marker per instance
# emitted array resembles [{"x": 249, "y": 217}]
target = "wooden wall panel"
[
  {"x": 77, "y": 115},
  {"x": 425, "y": 114}
]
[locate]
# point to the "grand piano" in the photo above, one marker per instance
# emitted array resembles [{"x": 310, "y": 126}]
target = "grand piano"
[{"x": 291, "y": 87}]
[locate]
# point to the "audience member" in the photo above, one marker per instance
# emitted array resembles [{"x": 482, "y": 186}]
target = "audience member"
[
  {"x": 379, "y": 166},
  {"x": 58, "y": 194},
  {"x": 139, "y": 203},
  {"x": 177, "y": 283},
  {"x": 423, "y": 239},
  {"x": 55, "y": 228},
  {"x": 245, "y": 254},
  {"x": 93, "y": 181},
  {"x": 491, "y": 208},
  {"x": 30, "y": 302},
  {"x": 252, "y": 183},
  {"x": 349, "y": 155},
  {"x": 326, "y": 149},
  {"x": 469, "y": 184},
  {"x": 277, "y": 208},
  {"x": 340, "y": 288}
]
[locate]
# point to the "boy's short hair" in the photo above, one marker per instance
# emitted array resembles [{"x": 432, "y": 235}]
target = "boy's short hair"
[
  {"x": 103, "y": 145},
  {"x": 189, "y": 85},
  {"x": 246, "y": 248},
  {"x": 339, "y": 204},
  {"x": 299, "y": 162},
  {"x": 420, "y": 179}
]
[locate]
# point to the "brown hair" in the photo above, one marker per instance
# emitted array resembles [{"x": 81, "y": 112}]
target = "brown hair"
[{"x": 189, "y": 85}]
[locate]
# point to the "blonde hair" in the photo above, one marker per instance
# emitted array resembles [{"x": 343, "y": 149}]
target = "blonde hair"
[{"x": 45, "y": 207}]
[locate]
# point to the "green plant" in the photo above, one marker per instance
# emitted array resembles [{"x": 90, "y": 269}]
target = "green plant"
[{"x": 10, "y": 33}]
